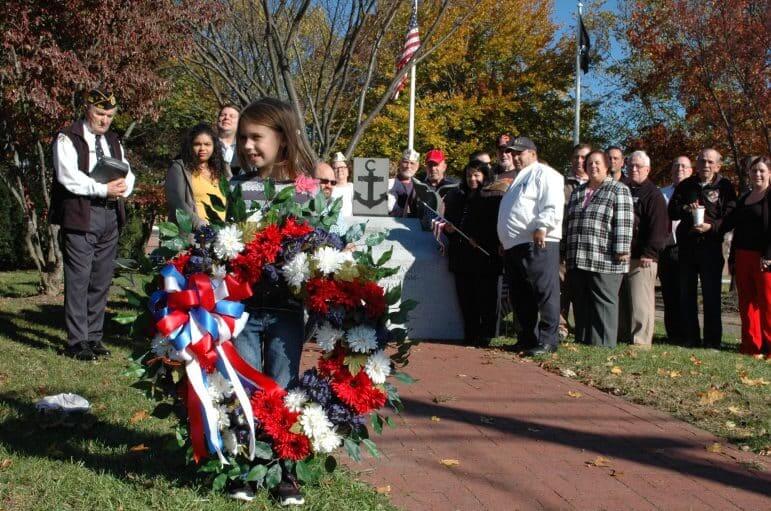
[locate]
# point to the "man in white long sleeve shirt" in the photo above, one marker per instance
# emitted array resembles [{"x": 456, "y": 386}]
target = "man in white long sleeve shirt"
[
  {"x": 530, "y": 229},
  {"x": 90, "y": 214}
]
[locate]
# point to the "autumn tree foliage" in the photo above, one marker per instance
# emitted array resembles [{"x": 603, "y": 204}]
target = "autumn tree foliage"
[
  {"x": 503, "y": 70},
  {"x": 702, "y": 67},
  {"x": 51, "y": 52}
]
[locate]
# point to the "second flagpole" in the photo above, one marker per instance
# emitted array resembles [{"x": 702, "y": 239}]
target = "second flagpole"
[
  {"x": 411, "y": 129},
  {"x": 577, "y": 124}
]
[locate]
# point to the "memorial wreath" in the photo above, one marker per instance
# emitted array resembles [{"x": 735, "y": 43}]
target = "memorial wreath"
[{"x": 235, "y": 422}]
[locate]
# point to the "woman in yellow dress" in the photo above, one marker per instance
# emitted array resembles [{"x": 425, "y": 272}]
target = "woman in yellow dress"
[{"x": 195, "y": 175}]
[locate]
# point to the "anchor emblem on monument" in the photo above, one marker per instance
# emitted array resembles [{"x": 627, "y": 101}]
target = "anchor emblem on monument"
[{"x": 370, "y": 201}]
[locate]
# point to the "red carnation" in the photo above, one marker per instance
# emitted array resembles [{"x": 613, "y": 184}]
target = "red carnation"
[
  {"x": 334, "y": 364},
  {"x": 358, "y": 392},
  {"x": 321, "y": 293},
  {"x": 293, "y": 447},
  {"x": 374, "y": 299},
  {"x": 262, "y": 250},
  {"x": 293, "y": 229}
]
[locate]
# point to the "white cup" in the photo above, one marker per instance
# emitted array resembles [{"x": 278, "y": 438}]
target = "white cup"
[{"x": 698, "y": 215}]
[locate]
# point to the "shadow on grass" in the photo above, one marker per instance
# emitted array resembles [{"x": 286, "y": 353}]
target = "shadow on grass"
[
  {"x": 85, "y": 439},
  {"x": 655, "y": 451},
  {"x": 41, "y": 326}
]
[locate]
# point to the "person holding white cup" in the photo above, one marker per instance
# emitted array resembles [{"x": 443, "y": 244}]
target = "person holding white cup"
[{"x": 700, "y": 203}]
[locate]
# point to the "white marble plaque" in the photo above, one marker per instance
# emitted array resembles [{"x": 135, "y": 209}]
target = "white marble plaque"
[
  {"x": 423, "y": 274},
  {"x": 370, "y": 186}
]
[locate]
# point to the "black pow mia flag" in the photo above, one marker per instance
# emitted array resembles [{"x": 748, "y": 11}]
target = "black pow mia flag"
[{"x": 584, "y": 46}]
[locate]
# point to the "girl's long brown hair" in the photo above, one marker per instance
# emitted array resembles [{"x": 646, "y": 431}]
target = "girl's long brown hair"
[{"x": 295, "y": 157}]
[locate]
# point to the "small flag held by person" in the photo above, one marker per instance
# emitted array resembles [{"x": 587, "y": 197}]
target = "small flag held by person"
[
  {"x": 411, "y": 45},
  {"x": 437, "y": 226}
]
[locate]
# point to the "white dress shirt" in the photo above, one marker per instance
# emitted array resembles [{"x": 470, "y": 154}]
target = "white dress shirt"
[
  {"x": 345, "y": 192},
  {"x": 70, "y": 176},
  {"x": 535, "y": 200}
]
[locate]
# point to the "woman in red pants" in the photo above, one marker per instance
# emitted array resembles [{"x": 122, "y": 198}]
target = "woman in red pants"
[{"x": 751, "y": 248}]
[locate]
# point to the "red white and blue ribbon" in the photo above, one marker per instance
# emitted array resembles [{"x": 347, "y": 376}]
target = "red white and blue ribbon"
[{"x": 199, "y": 316}]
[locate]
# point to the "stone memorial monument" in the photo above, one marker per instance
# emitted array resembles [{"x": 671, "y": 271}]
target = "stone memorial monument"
[
  {"x": 423, "y": 274},
  {"x": 370, "y": 186}
]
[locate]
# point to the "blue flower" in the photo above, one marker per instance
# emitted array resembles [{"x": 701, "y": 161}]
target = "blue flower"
[
  {"x": 341, "y": 415},
  {"x": 270, "y": 273},
  {"x": 316, "y": 387},
  {"x": 335, "y": 316},
  {"x": 204, "y": 234}
]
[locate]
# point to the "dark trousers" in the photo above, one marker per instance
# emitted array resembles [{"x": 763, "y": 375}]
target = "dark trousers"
[
  {"x": 272, "y": 342},
  {"x": 534, "y": 285},
  {"x": 703, "y": 262},
  {"x": 478, "y": 299},
  {"x": 669, "y": 277},
  {"x": 595, "y": 304},
  {"x": 89, "y": 263}
]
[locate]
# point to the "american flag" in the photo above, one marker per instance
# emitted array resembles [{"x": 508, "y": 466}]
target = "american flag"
[
  {"x": 411, "y": 45},
  {"x": 437, "y": 227}
]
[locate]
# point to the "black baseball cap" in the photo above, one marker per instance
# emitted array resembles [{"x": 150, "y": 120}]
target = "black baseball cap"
[{"x": 521, "y": 144}]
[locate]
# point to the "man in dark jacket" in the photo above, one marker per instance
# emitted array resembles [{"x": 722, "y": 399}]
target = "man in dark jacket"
[
  {"x": 90, "y": 214},
  {"x": 637, "y": 311},
  {"x": 700, "y": 245}
]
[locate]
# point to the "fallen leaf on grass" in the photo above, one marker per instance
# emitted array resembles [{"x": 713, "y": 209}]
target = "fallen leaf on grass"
[
  {"x": 5, "y": 463},
  {"x": 139, "y": 416},
  {"x": 616, "y": 370},
  {"x": 139, "y": 448},
  {"x": 575, "y": 394},
  {"x": 735, "y": 410},
  {"x": 570, "y": 347},
  {"x": 383, "y": 489},
  {"x": 599, "y": 461},
  {"x": 730, "y": 424},
  {"x": 435, "y": 418},
  {"x": 674, "y": 374},
  {"x": 715, "y": 447},
  {"x": 695, "y": 360},
  {"x": 750, "y": 382},
  {"x": 710, "y": 397},
  {"x": 449, "y": 462},
  {"x": 568, "y": 373}
]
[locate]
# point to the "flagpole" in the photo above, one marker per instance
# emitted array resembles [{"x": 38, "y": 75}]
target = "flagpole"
[
  {"x": 411, "y": 129},
  {"x": 577, "y": 124}
]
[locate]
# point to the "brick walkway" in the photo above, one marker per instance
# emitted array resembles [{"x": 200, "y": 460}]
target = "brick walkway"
[{"x": 522, "y": 443}]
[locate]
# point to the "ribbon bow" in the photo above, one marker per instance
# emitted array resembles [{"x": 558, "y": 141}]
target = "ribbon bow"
[{"x": 199, "y": 316}]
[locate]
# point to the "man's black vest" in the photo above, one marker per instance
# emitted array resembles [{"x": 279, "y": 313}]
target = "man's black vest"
[{"x": 74, "y": 211}]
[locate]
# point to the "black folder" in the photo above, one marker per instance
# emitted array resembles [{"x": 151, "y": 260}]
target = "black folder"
[{"x": 109, "y": 169}]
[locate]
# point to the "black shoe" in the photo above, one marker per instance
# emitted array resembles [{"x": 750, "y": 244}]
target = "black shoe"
[
  {"x": 288, "y": 494},
  {"x": 98, "y": 349},
  {"x": 540, "y": 349},
  {"x": 80, "y": 351},
  {"x": 522, "y": 347}
]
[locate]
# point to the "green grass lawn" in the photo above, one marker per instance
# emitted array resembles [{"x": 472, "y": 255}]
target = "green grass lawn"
[
  {"x": 115, "y": 457},
  {"x": 722, "y": 391}
]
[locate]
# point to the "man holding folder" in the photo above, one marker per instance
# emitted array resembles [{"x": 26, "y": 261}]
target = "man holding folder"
[{"x": 90, "y": 213}]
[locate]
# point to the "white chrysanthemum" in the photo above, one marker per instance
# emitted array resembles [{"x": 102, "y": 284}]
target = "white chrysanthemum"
[
  {"x": 230, "y": 441},
  {"x": 255, "y": 217},
  {"x": 219, "y": 387},
  {"x": 328, "y": 260},
  {"x": 327, "y": 442},
  {"x": 378, "y": 367},
  {"x": 294, "y": 400},
  {"x": 161, "y": 346},
  {"x": 361, "y": 339},
  {"x": 314, "y": 420},
  {"x": 223, "y": 419},
  {"x": 327, "y": 336},
  {"x": 229, "y": 242},
  {"x": 297, "y": 270}
]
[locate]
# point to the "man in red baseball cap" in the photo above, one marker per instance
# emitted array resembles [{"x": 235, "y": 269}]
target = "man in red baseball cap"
[{"x": 436, "y": 166}]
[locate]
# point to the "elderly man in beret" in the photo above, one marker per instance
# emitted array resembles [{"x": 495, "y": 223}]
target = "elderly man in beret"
[{"x": 90, "y": 212}]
